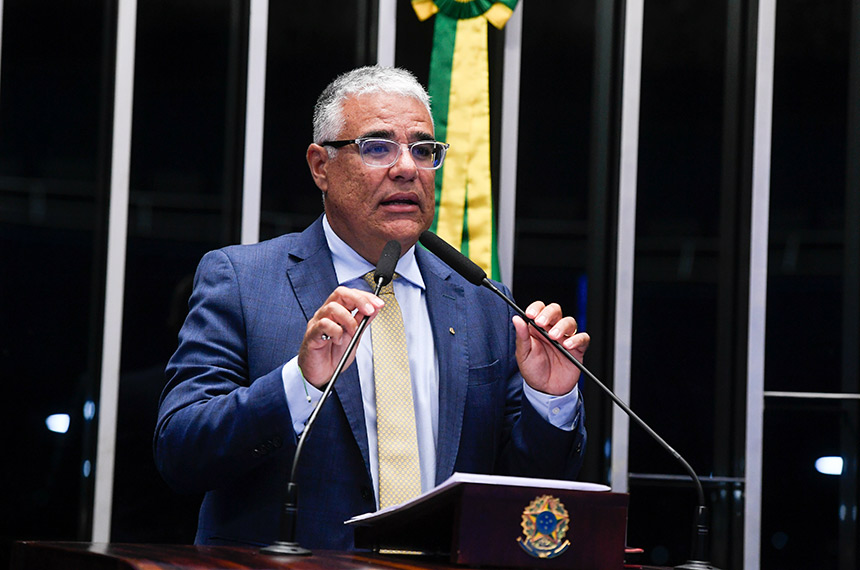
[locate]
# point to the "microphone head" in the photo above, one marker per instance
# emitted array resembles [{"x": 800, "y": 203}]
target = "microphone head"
[
  {"x": 456, "y": 260},
  {"x": 387, "y": 262}
]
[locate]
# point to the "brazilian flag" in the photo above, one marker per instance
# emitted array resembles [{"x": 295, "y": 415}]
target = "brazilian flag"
[{"x": 460, "y": 91}]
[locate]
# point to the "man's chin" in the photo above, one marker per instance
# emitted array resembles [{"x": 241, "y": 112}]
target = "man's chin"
[{"x": 406, "y": 231}]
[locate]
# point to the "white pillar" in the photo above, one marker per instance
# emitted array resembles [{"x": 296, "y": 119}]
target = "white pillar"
[
  {"x": 115, "y": 278},
  {"x": 255, "y": 104},
  {"x": 386, "y": 39},
  {"x": 629, "y": 162},
  {"x": 766, "y": 35},
  {"x": 509, "y": 147}
]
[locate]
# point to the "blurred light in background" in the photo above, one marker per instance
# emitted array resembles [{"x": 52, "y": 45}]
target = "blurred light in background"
[
  {"x": 829, "y": 465},
  {"x": 58, "y": 423}
]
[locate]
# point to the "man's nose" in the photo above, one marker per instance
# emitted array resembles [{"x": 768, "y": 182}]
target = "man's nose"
[{"x": 404, "y": 165}]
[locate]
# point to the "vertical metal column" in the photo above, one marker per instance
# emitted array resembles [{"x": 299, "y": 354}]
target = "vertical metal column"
[
  {"x": 115, "y": 278},
  {"x": 509, "y": 144},
  {"x": 255, "y": 105},
  {"x": 1, "y": 32},
  {"x": 762, "y": 131},
  {"x": 628, "y": 167},
  {"x": 387, "y": 35}
]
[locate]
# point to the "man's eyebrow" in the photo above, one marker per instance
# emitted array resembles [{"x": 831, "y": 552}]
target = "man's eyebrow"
[
  {"x": 383, "y": 134},
  {"x": 378, "y": 135}
]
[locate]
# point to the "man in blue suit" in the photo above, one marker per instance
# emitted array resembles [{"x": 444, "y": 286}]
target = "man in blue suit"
[{"x": 269, "y": 322}]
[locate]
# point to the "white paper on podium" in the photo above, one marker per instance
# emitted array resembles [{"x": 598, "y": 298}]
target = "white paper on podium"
[{"x": 502, "y": 480}]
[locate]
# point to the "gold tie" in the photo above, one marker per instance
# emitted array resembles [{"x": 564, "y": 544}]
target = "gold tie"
[{"x": 397, "y": 442}]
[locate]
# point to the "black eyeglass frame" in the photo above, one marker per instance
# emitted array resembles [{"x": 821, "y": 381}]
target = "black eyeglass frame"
[{"x": 361, "y": 141}]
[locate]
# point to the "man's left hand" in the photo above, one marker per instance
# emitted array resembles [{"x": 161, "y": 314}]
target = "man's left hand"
[{"x": 544, "y": 368}]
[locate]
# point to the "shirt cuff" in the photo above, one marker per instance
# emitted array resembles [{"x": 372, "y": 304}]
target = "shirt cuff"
[
  {"x": 560, "y": 411},
  {"x": 298, "y": 390}
]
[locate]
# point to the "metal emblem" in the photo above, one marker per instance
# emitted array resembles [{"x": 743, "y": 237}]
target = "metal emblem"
[{"x": 545, "y": 523}]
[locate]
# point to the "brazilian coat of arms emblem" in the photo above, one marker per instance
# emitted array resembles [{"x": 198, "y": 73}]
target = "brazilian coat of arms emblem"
[{"x": 545, "y": 524}]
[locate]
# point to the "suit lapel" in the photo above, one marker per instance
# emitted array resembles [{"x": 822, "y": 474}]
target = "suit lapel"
[
  {"x": 313, "y": 278},
  {"x": 446, "y": 306}
]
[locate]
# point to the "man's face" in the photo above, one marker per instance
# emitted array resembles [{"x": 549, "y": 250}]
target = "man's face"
[{"x": 369, "y": 206}]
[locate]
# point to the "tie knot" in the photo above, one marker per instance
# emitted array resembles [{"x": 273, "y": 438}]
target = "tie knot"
[{"x": 387, "y": 289}]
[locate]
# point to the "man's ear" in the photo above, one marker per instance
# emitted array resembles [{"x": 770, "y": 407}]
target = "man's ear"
[{"x": 317, "y": 157}]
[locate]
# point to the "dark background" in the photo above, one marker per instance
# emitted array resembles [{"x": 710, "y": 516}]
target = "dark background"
[{"x": 692, "y": 234}]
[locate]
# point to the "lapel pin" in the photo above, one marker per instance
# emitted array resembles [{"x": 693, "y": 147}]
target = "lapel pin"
[{"x": 451, "y": 330}]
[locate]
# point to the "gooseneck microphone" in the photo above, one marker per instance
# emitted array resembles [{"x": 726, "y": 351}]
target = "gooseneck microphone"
[
  {"x": 286, "y": 543},
  {"x": 475, "y": 275}
]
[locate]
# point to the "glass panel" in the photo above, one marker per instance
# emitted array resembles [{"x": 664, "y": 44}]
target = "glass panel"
[
  {"x": 563, "y": 189},
  {"x": 809, "y": 519},
  {"x": 414, "y": 42},
  {"x": 669, "y": 507},
  {"x": 186, "y": 152},
  {"x": 677, "y": 235},
  {"x": 54, "y": 90},
  {"x": 555, "y": 131},
  {"x": 809, "y": 514},
  {"x": 808, "y": 216},
  {"x": 683, "y": 244}
]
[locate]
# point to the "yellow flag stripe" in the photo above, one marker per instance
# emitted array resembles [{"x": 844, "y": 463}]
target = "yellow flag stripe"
[
  {"x": 424, "y": 8},
  {"x": 498, "y": 15},
  {"x": 455, "y": 179},
  {"x": 480, "y": 191},
  {"x": 467, "y": 167}
]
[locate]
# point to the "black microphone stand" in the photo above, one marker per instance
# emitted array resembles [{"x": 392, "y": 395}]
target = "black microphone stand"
[
  {"x": 287, "y": 544},
  {"x": 699, "y": 552},
  {"x": 477, "y": 276}
]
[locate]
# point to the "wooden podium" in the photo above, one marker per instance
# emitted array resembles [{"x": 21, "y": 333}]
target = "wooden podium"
[
  {"x": 471, "y": 520},
  {"x": 491, "y": 521}
]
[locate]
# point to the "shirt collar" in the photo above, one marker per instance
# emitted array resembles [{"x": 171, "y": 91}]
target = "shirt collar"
[{"x": 349, "y": 265}]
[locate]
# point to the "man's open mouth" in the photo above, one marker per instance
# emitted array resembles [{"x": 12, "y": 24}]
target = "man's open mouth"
[{"x": 400, "y": 201}]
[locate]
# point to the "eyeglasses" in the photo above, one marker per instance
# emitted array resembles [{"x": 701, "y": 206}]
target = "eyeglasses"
[{"x": 382, "y": 153}]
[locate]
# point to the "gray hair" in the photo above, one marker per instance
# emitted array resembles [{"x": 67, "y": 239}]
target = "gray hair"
[{"x": 328, "y": 112}]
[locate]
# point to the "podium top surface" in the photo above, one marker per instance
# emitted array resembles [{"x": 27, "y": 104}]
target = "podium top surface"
[
  {"x": 110, "y": 556},
  {"x": 97, "y": 556}
]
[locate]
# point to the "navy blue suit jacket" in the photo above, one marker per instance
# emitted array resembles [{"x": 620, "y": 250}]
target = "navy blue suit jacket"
[{"x": 224, "y": 427}]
